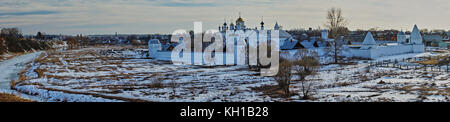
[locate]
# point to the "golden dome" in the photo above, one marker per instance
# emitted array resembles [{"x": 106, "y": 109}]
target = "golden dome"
[{"x": 239, "y": 20}]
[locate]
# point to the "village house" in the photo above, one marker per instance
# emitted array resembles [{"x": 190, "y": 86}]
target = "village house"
[{"x": 440, "y": 40}]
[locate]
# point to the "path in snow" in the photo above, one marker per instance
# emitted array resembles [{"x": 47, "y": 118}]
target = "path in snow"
[{"x": 10, "y": 68}]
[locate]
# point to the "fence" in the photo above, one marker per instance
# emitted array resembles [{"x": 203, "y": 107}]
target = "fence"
[{"x": 412, "y": 63}]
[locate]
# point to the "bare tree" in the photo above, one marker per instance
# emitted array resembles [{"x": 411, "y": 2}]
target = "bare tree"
[
  {"x": 84, "y": 42},
  {"x": 12, "y": 37},
  {"x": 284, "y": 76},
  {"x": 15, "y": 32},
  {"x": 39, "y": 35},
  {"x": 336, "y": 25},
  {"x": 135, "y": 42},
  {"x": 3, "y": 47},
  {"x": 305, "y": 66},
  {"x": 72, "y": 42}
]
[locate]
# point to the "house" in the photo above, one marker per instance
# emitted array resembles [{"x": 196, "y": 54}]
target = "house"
[
  {"x": 308, "y": 43},
  {"x": 437, "y": 40},
  {"x": 290, "y": 45},
  {"x": 446, "y": 40},
  {"x": 433, "y": 40}
]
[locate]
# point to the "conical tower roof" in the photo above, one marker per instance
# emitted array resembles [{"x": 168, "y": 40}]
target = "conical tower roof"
[
  {"x": 416, "y": 38},
  {"x": 369, "y": 40},
  {"x": 276, "y": 27}
]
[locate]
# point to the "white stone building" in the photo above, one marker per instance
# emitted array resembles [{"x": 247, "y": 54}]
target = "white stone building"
[
  {"x": 370, "y": 49},
  {"x": 286, "y": 40},
  {"x": 154, "y": 46},
  {"x": 324, "y": 35}
]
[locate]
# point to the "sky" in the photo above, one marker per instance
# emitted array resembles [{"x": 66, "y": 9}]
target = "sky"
[{"x": 89, "y": 17}]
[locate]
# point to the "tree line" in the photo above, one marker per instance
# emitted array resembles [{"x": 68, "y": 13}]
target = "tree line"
[{"x": 12, "y": 40}]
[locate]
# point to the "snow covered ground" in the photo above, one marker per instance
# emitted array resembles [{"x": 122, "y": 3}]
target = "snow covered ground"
[
  {"x": 88, "y": 75},
  {"x": 85, "y": 72},
  {"x": 10, "y": 68}
]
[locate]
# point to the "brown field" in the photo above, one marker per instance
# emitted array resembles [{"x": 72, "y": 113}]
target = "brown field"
[{"x": 12, "y": 98}]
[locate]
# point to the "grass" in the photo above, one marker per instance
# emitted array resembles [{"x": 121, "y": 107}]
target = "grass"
[
  {"x": 273, "y": 91},
  {"x": 428, "y": 62},
  {"x": 12, "y": 98},
  {"x": 432, "y": 60}
]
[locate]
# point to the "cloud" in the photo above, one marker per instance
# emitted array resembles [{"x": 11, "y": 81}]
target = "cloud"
[
  {"x": 26, "y": 13},
  {"x": 186, "y": 4},
  {"x": 12, "y": 3},
  {"x": 165, "y": 16},
  {"x": 96, "y": 25}
]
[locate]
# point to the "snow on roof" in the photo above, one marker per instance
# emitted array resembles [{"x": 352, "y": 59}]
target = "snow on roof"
[
  {"x": 369, "y": 40},
  {"x": 432, "y": 37},
  {"x": 321, "y": 43},
  {"x": 284, "y": 34},
  {"x": 154, "y": 41},
  {"x": 308, "y": 43},
  {"x": 288, "y": 45}
]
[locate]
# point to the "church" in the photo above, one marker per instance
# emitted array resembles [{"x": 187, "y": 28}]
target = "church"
[
  {"x": 158, "y": 50},
  {"x": 371, "y": 50},
  {"x": 285, "y": 37},
  {"x": 286, "y": 40}
]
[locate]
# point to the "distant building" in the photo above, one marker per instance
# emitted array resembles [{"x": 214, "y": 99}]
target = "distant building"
[
  {"x": 446, "y": 39},
  {"x": 441, "y": 40},
  {"x": 154, "y": 46},
  {"x": 433, "y": 40},
  {"x": 291, "y": 45}
]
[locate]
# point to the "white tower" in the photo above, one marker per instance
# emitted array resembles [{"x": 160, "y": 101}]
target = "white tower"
[
  {"x": 240, "y": 24},
  {"x": 416, "y": 38},
  {"x": 416, "y": 41},
  {"x": 224, "y": 27},
  {"x": 369, "y": 42},
  {"x": 262, "y": 23},
  {"x": 231, "y": 26},
  {"x": 324, "y": 34},
  {"x": 401, "y": 37}
]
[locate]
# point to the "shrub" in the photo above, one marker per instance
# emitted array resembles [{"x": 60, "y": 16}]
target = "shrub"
[
  {"x": 307, "y": 65},
  {"x": 284, "y": 76},
  {"x": 12, "y": 85}
]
